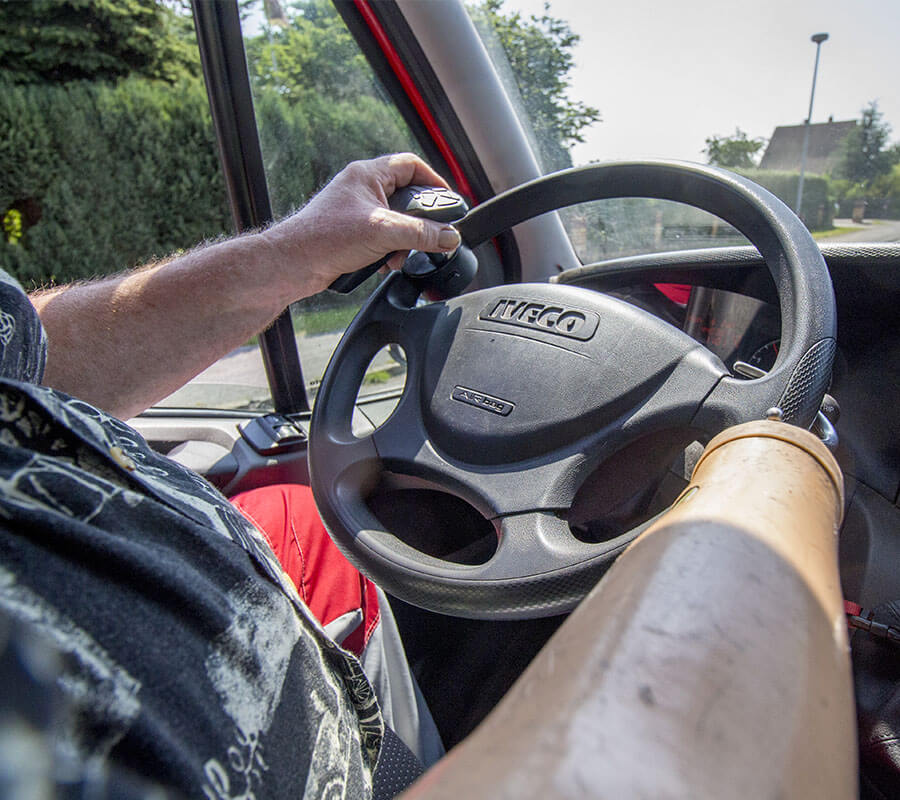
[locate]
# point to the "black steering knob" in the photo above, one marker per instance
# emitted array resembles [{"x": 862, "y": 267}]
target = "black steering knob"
[
  {"x": 430, "y": 202},
  {"x": 441, "y": 275}
]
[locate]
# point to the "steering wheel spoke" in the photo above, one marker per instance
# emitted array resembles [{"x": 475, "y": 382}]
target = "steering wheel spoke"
[{"x": 538, "y": 569}]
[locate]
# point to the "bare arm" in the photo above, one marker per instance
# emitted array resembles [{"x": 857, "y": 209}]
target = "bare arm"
[{"x": 125, "y": 342}]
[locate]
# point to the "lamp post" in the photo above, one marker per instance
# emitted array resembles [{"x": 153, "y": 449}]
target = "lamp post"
[{"x": 818, "y": 38}]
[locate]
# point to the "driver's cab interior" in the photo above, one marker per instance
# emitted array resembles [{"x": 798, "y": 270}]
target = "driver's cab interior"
[{"x": 717, "y": 283}]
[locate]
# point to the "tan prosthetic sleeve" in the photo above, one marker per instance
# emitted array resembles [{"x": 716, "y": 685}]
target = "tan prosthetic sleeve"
[{"x": 710, "y": 662}]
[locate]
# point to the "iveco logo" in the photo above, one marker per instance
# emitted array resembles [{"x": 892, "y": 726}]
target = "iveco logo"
[
  {"x": 564, "y": 321},
  {"x": 482, "y": 400}
]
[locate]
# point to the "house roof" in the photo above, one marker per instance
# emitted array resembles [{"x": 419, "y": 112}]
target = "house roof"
[{"x": 825, "y": 138}]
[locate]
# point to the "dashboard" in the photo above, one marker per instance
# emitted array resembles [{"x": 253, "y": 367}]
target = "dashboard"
[{"x": 737, "y": 328}]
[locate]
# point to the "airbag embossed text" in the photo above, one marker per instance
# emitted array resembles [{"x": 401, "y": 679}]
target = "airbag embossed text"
[
  {"x": 563, "y": 321},
  {"x": 482, "y": 400}
]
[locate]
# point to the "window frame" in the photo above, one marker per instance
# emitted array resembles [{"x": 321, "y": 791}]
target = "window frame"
[{"x": 227, "y": 79}]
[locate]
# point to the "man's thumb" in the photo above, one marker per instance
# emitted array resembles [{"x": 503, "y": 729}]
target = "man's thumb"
[{"x": 425, "y": 235}]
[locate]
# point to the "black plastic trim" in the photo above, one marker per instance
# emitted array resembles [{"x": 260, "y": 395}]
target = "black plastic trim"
[{"x": 227, "y": 78}]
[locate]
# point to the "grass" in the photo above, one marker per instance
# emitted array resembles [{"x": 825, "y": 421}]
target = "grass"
[
  {"x": 831, "y": 232},
  {"x": 378, "y": 376},
  {"x": 325, "y": 320}
]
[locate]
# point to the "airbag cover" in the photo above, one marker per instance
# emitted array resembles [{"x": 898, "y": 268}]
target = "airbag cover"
[{"x": 513, "y": 372}]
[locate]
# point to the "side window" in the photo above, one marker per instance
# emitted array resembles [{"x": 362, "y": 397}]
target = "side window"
[
  {"x": 107, "y": 154},
  {"x": 108, "y": 157},
  {"x": 318, "y": 107}
]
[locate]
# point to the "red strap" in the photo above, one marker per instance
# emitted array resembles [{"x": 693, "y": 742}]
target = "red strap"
[{"x": 852, "y": 609}]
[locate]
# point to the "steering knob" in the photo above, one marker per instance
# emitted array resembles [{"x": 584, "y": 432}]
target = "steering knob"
[
  {"x": 441, "y": 275},
  {"x": 430, "y": 202}
]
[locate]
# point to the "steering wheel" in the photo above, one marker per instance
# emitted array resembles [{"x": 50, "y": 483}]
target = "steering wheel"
[{"x": 515, "y": 394}]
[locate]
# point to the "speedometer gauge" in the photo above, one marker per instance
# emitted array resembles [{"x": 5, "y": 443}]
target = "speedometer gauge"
[{"x": 764, "y": 357}]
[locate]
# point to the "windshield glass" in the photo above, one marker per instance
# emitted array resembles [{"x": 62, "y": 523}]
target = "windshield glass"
[{"x": 693, "y": 82}]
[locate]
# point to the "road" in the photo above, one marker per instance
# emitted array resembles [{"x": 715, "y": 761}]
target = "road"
[{"x": 885, "y": 230}]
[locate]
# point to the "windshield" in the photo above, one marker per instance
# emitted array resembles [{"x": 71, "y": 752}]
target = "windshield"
[{"x": 693, "y": 82}]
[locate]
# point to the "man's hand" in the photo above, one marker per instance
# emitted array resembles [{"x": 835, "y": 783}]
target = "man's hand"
[{"x": 349, "y": 225}]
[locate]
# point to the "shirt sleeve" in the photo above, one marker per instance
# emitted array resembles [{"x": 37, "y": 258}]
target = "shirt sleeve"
[{"x": 23, "y": 343}]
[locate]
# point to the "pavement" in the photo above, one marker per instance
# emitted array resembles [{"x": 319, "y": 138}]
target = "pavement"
[
  {"x": 875, "y": 230},
  {"x": 239, "y": 379}
]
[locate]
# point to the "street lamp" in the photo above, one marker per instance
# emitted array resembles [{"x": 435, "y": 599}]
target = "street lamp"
[{"x": 818, "y": 38}]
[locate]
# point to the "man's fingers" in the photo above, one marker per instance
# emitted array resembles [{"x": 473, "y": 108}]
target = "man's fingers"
[
  {"x": 426, "y": 176},
  {"x": 406, "y": 168},
  {"x": 396, "y": 261},
  {"x": 448, "y": 238}
]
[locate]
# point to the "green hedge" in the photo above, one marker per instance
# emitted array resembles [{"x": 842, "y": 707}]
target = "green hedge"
[
  {"x": 118, "y": 174},
  {"x": 121, "y": 174},
  {"x": 818, "y": 202},
  {"x": 306, "y": 142},
  {"x": 882, "y": 196}
]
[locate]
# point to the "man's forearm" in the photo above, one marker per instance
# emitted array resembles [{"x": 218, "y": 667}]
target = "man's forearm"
[{"x": 126, "y": 342}]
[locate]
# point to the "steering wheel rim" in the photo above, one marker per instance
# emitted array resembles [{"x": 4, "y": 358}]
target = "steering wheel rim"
[{"x": 435, "y": 439}]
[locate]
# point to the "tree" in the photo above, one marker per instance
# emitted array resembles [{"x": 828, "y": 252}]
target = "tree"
[
  {"x": 317, "y": 102},
  {"x": 309, "y": 53},
  {"x": 539, "y": 52},
  {"x": 57, "y": 41},
  {"x": 867, "y": 154},
  {"x": 738, "y": 151},
  {"x": 310, "y": 77}
]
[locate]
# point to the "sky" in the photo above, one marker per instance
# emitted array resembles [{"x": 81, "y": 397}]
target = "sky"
[{"x": 665, "y": 75}]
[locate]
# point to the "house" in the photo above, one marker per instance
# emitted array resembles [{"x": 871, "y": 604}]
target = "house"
[{"x": 785, "y": 148}]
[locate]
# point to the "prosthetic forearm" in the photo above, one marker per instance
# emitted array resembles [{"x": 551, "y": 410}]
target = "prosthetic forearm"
[{"x": 711, "y": 661}]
